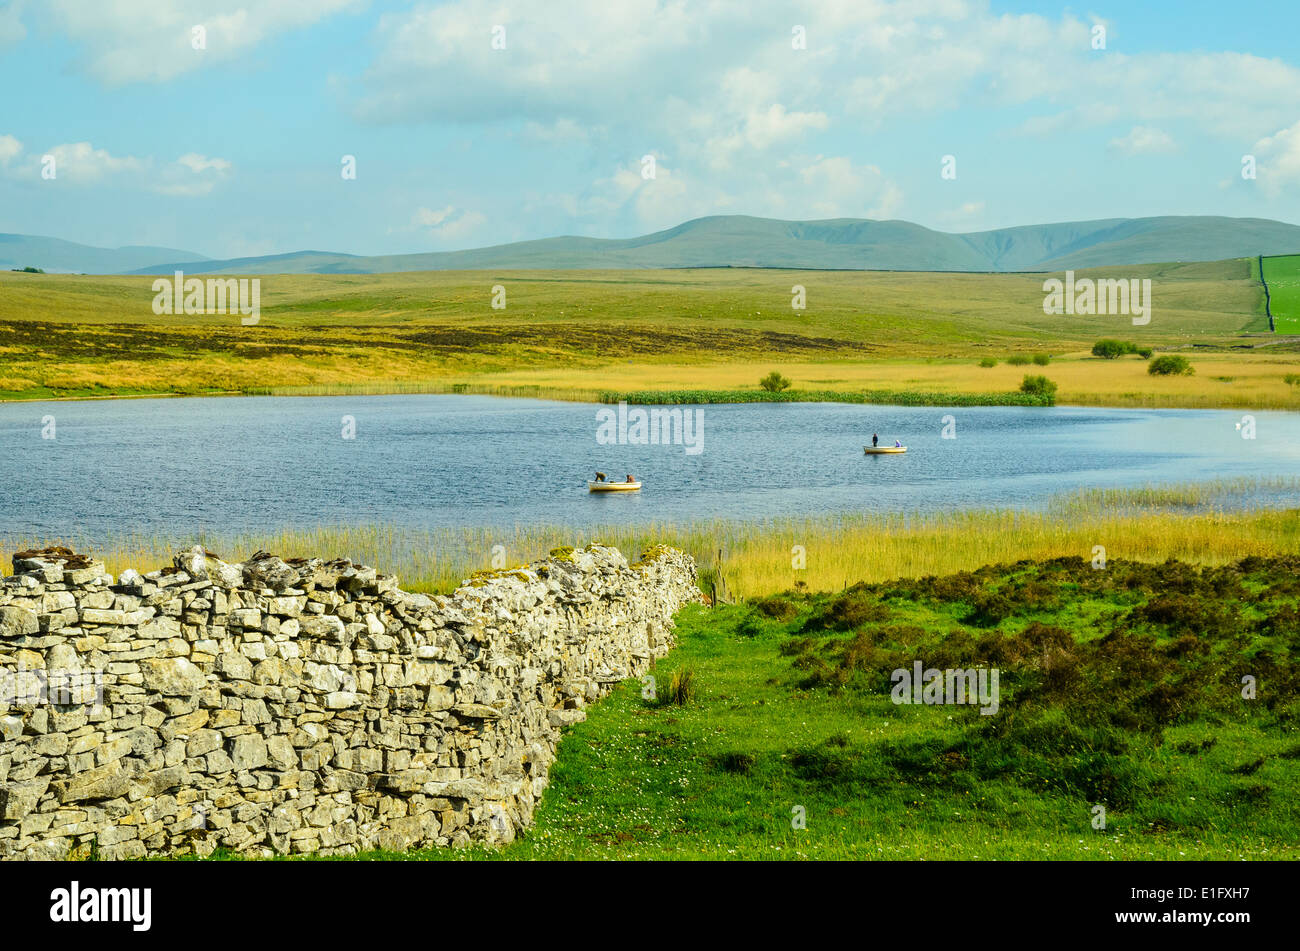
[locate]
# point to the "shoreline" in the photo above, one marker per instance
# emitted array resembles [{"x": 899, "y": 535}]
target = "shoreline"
[
  {"x": 686, "y": 397},
  {"x": 1208, "y": 522}
]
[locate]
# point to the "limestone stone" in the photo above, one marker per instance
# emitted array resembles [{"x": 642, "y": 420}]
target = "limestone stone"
[
  {"x": 173, "y": 676},
  {"x": 309, "y": 705},
  {"x": 16, "y": 621}
]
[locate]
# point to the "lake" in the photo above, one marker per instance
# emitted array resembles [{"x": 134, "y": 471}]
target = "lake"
[{"x": 231, "y": 464}]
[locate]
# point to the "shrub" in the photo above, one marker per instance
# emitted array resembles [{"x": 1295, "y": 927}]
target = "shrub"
[
  {"x": 1042, "y": 359},
  {"x": 777, "y": 608},
  {"x": 681, "y": 688},
  {"x": 1018, "y": 360},
  {"x": 990, "y": 362},
  {"x": 1110, "y": 349},
  {"x": 1170, "y": 364},
  {"x": 1037, "y": 386},
  {"x": 774, "y": 382},
  {"x": 989, "y": 609},
  {"x": 1292, "y": 378},
  {"x": 1145, "y": 352},
  {"x": 853, "y": 609}
]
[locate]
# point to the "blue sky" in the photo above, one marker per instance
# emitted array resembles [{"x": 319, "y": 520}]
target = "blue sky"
[{"x": 235, "y": 149}]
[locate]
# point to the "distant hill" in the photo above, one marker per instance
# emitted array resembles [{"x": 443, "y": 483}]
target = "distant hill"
[
  {"x": 54, "y": 255},
  {"x": 840, "y": 243},
  {"x": 740, "y": 241}
]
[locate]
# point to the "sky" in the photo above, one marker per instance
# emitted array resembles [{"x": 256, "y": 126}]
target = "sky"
[{"x": 223, "y": 126}]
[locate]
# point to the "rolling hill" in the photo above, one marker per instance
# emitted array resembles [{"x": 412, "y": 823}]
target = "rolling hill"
[
  {"x": 741, "y": 241},
  {"x": 841, "y": 243},
  {"x": 56, "y": 256}
]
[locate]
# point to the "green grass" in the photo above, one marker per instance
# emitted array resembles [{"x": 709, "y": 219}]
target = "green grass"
[
  {"x": 1120, "y": 687},
  {"x": 76, "y": 335},
  {"x": 1283, "y": 276},
  {"x": 889, "y": 397}
]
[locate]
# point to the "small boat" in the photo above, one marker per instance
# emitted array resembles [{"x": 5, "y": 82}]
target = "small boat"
[
  {"x": 882, "y": 450},
  {"x": 613, "y": 486}
]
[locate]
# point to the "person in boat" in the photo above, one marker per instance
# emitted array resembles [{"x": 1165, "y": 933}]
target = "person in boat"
[
  {"x": 875, "y": 440},
  {"x": 600, "y": 477},
  {"x": 629, "y": 478},
  {"x": 897, "y": 444}
]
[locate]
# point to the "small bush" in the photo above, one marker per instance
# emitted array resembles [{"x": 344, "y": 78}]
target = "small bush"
[
  {"x": 1042, "y": 359},
  {"x": 1292, "y": 378},
  {"x": 1170, "y": 365},
  {"x": 1110, "y": 349},
  {"x": 853, "y": 609},
  {"x": 1037, "y": 386},
  {"x": 990, "y": 362},
  {"x": 1018, "y": 360},
  {"x": 776, "y": 608},
  {"x": 774, "y": 382},
  {"x": 989, "y": 609}
]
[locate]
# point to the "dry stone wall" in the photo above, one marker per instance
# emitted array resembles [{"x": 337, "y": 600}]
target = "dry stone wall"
[{"x": 302, "y": 706}]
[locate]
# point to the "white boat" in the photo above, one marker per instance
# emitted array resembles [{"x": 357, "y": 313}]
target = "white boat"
[{"x": 613, "y": 486}]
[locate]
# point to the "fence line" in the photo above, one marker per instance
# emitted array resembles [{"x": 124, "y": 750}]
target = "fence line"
[{"x": 1268, "y": 306}]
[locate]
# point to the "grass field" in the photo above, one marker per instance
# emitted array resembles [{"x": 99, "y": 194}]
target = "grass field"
[
  {"x": 1118, "y": 688},
  {"x": 1283, "y": 276},
  {"x": 577, "y": 334}
]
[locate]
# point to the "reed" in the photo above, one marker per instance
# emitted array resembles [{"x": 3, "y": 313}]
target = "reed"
[{"x": 1196, "y": 523}]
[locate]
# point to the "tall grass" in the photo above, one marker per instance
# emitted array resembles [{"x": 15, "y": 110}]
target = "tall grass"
[{"x": 746, "y": 559}]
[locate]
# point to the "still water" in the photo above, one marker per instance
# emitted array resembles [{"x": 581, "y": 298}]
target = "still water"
[{"x": 177, "y": 465}]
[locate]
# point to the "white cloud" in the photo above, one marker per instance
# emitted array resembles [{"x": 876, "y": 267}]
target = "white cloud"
[
  {"x": 200, "y": 163},
  {"x": 128, "y": 41},
  {"x": 1144, "y": 140},
  {"x": 80, "y": 163},
  {"x": 725, "y": 65},
  {"x": 836, "y": 188},
  {"x": 449, "y": 224},
  {"x": 432, "y": 219},
  {"x": 1278, "y": 156},
  {"x": 716, "y": 85},
  {"x": 10, "y": 149},
  {"x": 192, "y": 176},
  {"x": 83, "y": 164},
  {"x": 760, "y": 130}
]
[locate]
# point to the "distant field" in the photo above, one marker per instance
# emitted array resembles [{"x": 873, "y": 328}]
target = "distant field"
[
  {"x": 1283, "y": 277},
  {"x": 575, "y": 334}
]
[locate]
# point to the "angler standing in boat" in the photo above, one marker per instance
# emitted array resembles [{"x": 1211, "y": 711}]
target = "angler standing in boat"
[{"x": 875, "y": 440}]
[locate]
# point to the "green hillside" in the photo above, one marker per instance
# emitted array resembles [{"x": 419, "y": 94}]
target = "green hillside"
[
  {"x": 57, "y": 256},
  {"x": 836, "y": 244}
]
